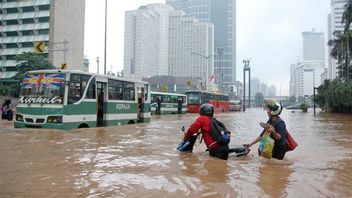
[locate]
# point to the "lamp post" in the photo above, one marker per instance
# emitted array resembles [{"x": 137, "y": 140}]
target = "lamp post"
[
  {"x": 220, "y": 51},
  {"x": 106, "y": 6},
  {"x": 207, "y": 65},
  {"x": 314, "y": 88}
]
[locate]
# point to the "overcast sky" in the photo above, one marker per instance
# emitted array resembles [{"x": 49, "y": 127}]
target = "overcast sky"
[{"x": 268, "y": 31}]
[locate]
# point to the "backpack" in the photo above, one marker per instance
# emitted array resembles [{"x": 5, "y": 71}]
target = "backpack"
[{"x": 219, "y": 132}]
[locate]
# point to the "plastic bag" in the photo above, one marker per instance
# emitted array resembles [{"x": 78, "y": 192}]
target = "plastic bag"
[{"x": 266, "y": 146}]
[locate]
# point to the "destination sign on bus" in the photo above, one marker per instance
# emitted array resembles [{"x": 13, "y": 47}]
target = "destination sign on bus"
[{"x": 41, "y": 100}]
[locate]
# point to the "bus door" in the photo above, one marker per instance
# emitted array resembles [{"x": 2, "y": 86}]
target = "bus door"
[
  {"x": 140, "y": 104},
  {"x": 101, "y": 104},
  {"x": 179, "y": 104}
]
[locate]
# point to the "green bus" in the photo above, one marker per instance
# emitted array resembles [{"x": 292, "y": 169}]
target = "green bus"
[
  {"x": 170, "y": 103},
  {"x": 68, "y": 99}
]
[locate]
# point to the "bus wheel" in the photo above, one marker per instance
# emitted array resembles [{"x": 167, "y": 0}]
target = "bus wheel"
[
  {"x": 83, "y": 126},
  {"x": 130, "y": 122}
]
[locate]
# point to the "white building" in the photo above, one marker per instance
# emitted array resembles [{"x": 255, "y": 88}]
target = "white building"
[
  {"x": 304, "y": 76},
  {"x": 57, "y": 24},
  {"x": 191, "y": 44},
  {"x": 222, "y": 13},
  {"x": 314, "y": 46},
  {"x": 162, "y": 41},
  {"x": 334, "y": 24},
  {"x": 146, "y": 41},
  {"x": 272, "y": 91},
  {"x": 255, "y": 86},
  {"x": 264, "y": 89}
]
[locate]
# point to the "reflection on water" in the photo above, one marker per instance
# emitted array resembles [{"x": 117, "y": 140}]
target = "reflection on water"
[
  {"x": 274, "y": 178},
  {"x": 141, "y": 160}
]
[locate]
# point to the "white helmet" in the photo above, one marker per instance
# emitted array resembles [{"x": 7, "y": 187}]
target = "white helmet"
[{"x": 274, "y": 106}]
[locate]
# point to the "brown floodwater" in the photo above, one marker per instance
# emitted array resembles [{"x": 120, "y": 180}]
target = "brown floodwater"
[{"x": 141, "y": 160}]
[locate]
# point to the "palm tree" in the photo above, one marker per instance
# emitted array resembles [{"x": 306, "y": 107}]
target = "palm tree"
[
  {"x": 338, "y": 46},
  {"x": 347, "y": 20}
]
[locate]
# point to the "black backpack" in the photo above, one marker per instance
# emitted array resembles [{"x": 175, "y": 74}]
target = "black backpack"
[{"x": 219, "y": 132}]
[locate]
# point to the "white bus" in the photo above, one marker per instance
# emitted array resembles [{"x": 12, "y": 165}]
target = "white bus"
[
  {"x": 235, "y": 105},
  {"x": 170, "y": 103},
  {"x": 67, "y": 99}
]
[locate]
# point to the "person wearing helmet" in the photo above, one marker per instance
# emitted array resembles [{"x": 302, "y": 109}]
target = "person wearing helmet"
[
  {"x": 277, "y": 128},
  {"x": 217, "y": 147}
]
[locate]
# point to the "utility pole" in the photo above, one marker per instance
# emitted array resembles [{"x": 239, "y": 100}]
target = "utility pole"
[
  {"x": 106, "y": 6},
  {"x": 220, "y": 52},
  {"x": 207, "y": 67}
]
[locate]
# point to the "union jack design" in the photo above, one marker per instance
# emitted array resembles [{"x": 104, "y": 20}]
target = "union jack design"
[{"x": 43, "y": 80}]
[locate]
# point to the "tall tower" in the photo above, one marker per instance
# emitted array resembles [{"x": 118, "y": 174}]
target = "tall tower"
[
  {"x": 146, "y": 42},
  {"x": 58, "y": 25},
  {"x": 313, "y": 46},
  {"x": 162, "y": 41},
  {"x": 222, "y": 13}
]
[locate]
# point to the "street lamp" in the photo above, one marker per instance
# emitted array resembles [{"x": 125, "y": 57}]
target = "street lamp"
[
  {"x": 106, "y": 6},
  {"x": 220, "y": 51},
  {"x": 207, "y": 65}
]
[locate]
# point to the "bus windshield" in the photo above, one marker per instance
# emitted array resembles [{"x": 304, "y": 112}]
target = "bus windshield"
[
  {"x": 193, "y": 98},
  {"x": 42, "y": 88}
]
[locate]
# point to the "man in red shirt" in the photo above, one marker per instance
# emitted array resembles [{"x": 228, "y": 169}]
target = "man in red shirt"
[{"x": 216, "y": 142}]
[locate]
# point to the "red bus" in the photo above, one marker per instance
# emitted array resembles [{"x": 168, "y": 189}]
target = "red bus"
[{"x": 196, "y": 98}]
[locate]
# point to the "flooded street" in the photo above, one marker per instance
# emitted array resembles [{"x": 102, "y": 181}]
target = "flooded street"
[{"x": 141, "y": 160}]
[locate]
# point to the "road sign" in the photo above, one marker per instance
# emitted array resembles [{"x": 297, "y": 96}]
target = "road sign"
[
  {"x": 39, "y": 47},
  {"x": 189, "y": 83},
  {"x": 63, "y": 66},
  {"x": 164, "y": 89}
]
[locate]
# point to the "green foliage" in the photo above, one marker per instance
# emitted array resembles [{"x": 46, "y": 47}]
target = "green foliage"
[
  {"x": 26, "y": 61},
  {"x": 292, "y": 100},
  {"x": 258, "y": 98},
  {"x": 335, "y": 95},
  {"x": 303, "y": 107}
]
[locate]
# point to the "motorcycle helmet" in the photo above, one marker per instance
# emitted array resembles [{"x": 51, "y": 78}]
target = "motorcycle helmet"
[
  {"x": 206, "y": 110},
  {"x": 274, "y": 106}
]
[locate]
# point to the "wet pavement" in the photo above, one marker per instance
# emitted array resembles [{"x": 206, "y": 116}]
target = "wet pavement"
[{"x": 141, "y": 160}]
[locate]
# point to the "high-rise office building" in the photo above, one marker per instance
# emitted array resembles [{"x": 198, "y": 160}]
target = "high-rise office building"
[
  {"x": 314, "y": 46},
  {"x": 162, "y": 41},
  {"x": 190, "y": 47},
  {"x": 304, "y": 76},
  {"x": 146, "y": 40},
  {"x": 334, "y": 24},
  {"x": 222, "y": 13},
  {"x": 58, "y": 25}
]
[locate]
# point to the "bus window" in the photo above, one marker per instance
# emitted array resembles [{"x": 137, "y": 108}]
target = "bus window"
[
  {"x": 128, "y": 91},
  {"x": 77, "y": 84},
  {"x": 193, "y": 98},
  {"x": 115, "y": 89},
  {"x": 91, "y": 90}
]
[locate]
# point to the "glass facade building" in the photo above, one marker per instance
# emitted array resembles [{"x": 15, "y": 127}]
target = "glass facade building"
[{"x": 222, "y": 13}]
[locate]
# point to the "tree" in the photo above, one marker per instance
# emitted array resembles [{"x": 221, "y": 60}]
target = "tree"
[
  {"x": 28, "y": 61},
  {"x": 340, "y": 46},
  {"x": 292, "y": 100},
  {"x": 258, "y": 98}
]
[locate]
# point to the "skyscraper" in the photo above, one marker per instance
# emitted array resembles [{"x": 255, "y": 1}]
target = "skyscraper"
[
  {"x": 222, "y": 13},
  {"x": 314, "y": 46},
  {"x": 58, "y": 25},
  {"x": 334, "y": 24},
  {"x": 162, "y": 41},
  {"x": 146, "y": 41}
]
